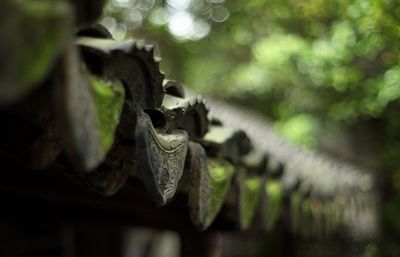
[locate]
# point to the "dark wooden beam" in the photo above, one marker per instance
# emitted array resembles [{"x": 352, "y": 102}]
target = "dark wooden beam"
[{"x": 48, "y": 195}]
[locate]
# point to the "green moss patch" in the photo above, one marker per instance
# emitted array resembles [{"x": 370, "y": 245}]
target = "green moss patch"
[{"x": 109, "y": 99}]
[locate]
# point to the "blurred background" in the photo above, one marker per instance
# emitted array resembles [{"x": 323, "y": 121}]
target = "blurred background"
[{"x": 327, "y": 73}]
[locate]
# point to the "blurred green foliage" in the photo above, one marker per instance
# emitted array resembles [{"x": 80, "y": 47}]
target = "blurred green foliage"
[
  {"x": 309, "y": 65},
  {"x": 337, "y": 61}
]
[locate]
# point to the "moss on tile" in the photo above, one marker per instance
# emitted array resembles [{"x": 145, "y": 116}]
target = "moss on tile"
[{"x": 109, "y": 99}]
